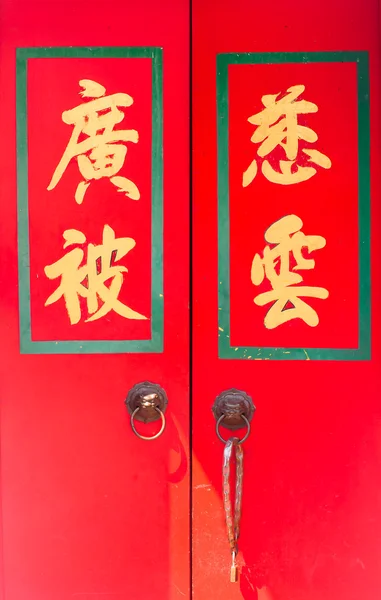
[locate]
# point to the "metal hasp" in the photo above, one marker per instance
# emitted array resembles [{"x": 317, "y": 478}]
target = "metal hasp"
[
  {"x": 233, "y": 409},
  {"x": 147, "y": 402}
]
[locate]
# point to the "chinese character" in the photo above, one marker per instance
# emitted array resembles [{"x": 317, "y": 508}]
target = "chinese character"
[
  {"x": 89, "y": 280},
  {"x": 276, "y": 266},
  {"x": 100, "y": 153},
  {"x": 278, "y": 126}
]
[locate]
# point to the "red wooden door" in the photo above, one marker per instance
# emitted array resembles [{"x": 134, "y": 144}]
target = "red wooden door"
[
  {"x": 286, "y": 142},
  {"x": 89, "y": 511},
  {"x": 94, "y": 290}
]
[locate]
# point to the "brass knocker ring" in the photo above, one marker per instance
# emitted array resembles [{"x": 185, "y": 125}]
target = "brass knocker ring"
[
  {"x": 247, "y": 423},
  {"x": 152, "y": 437},
  {"x": 147, "y": 402}
]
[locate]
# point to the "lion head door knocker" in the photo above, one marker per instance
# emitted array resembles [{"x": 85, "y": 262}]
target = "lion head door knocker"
[{"x": 147, "y": 402}]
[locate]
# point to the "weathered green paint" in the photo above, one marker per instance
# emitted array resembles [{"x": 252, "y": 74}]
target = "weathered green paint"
[
  {"x": 226, "y": 350},
  {"x": 155, "y": 344}
]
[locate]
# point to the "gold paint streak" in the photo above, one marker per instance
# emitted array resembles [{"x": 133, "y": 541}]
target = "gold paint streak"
[
  {"x": 249, "y": 174},
  {"x": 286, "y": 238},
  {"x": 81, "y": 191},
  {"x": 126, "y": 186},
  {"x": 100, "y": 153},
  {"x": 101, "y": 298},
  {"x": 277, "y": 125},
  {"x": 73, "y": 236},
  {"x": 318, "y": 158},
  {"x": 91, "y": 89},
  {"x": 286, "y": 177}
]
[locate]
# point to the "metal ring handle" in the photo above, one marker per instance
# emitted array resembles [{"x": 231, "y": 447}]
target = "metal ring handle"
[
  {"x": 153, "y": 437},
  {"x": 244, "y": 437}
]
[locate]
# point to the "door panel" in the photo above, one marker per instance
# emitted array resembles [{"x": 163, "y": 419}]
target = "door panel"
[
  {"x": 90, "y": 511},
  {"x": 311, "y": 521}
]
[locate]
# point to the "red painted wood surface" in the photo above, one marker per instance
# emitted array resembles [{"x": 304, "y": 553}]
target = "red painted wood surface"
[
  {"x": 53, "y": 211},
  {"x": 90, "y": 512},
  {"x": 327, "y": 203},
  {"x": 311, "y": 524}
]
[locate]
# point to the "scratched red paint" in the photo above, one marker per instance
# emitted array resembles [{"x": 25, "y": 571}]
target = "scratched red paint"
[
  {"x": 327, "y": 204},
  {"x": 53, "y": 87},
  {"x": 311, "y": 515}
]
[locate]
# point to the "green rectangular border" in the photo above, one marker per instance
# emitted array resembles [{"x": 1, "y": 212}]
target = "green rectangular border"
[
  {"x": 155, "y": 344},
  {"x": 363, "y": 352}
]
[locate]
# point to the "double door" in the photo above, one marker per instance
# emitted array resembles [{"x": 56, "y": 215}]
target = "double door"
[{"x": 190, "y": 204}]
